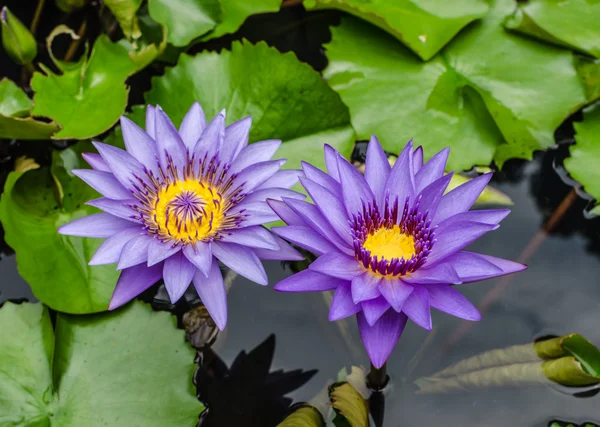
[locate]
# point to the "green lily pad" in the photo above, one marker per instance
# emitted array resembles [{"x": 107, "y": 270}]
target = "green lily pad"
[
  {"x": 589, "y": 73},
  {"x": 124, "y": 368},
  {"x": 15, "y": 120},
  {"x": 570, "y": 23},
  {"x": 424, "y": 26},
  {"x": 185, "y": 20},
  {"x": 89, "y": 96},
  {"x": 235, "y": 12},
  {"x": 582, "y": 165},
  {"x": 124, "y": 11},
  {"x": 490, "y": 95},
  {"x": 32, "y": 208}
]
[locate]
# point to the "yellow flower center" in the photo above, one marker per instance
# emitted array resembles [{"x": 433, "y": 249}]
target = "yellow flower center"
[
  {"x": 390, "y": 243},
  {"x": 188, "y": 211}
]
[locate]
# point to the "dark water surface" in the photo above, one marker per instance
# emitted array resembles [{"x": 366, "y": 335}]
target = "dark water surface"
[{"x": 558, "y": 294}]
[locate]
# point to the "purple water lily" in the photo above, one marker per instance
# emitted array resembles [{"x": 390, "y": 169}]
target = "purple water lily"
[
  {"x": 390, "y": 243},
  {"x": 177, "y": 201}
]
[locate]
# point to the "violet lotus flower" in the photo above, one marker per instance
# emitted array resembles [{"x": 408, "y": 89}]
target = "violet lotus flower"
[
  {"x": 390, "y": 242},
  {"x": 177, "y": 201}
]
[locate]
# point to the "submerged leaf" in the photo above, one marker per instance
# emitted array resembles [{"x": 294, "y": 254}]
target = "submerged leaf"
[
  {"x": 570, "y": 23},
  {"x": 55, "y": 266},
  {"x": 350, "y": 404},
  {"x": 111, "y": 359},
  {"x": 423, "y": 26},
  {"x": 490, "y": 95},
  {"x": 90, "y": 95}
]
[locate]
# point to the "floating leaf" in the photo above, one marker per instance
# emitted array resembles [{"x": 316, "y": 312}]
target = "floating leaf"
[
  {"x": 286, "y": 98},
  {"x": 350, "y": 404},
  {"x": 570, "y": 23},
  {"x": 87, "y": 98},
  {"x": 489, "y": 95},
  {"x": 124, "y": 11},
  {"x": 15, "y": 122},
  {"x": 112, "y": 359},
  {"x": 55, "y": 266},
  {"x": 304, "y": 416},
  {"x": 185, "y": 20},
  {"x": 589, "y": 73},
  {"x": 235, "y": 12},
  {"x": 422, "y": 25},
  {"x": 583, "y": 163}
]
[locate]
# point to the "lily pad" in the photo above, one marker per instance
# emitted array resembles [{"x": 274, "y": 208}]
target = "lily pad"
[
  {"x": 349, "y": 404},
  {"x": 32, "y": 207},
  {"x": 124, "y": 11},
  {"x": 90, "y": 95},
  {"x": 235, "y": 12},
  {"x": 132, "y": 364},
  {"x": 490, "y": 95},
  {"x": 424, "y": 26},
  {"x": 286, "y": 98},
  {"x": 304, "y": 416},
  {"x": 15, "y": 120},
  {"x": 570, "y": 23},
  {"x": 185, "y": 20},
  {"x": 582, "y": 165}
]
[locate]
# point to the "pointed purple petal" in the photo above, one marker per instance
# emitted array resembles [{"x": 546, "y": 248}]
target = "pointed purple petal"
[
  {"x": 331, "y": 156},
  {"x": 151, "y": 121},
  {"x": 283, "y": 179},
  {"x": 493, "y": 216},
  {"x": 273, "y": 193},
  {"x": 254, "y": 153},
  {"x": 134, "y": 252},
  {"x": 365, "y": 287},
  {"x": 335, "y": 264},
  {"x": 125, "y": 168},
  {"x": 416, "y": 307},
  {"x": 321, "y": 178},
  {"x": 377, "y": 169},
  {"x": 455, "y": 237},
  {"x": 432, "y": 170},
  {"x": 473, "y": 267},
  {"x": 355, "y": 190},
  {"x": 440, "y": 273},
  {"x": 253, "y": 237},
  {"x": 331, "y": 207},
  {"x": 236, "y": 138},
  {"x": 285, "y": 252},
  {"x": 308, "y": 281},
  {"x": 119, "y": 208},
  {"x": 132, "y": 282},
  {"x": 306, "y": 238},
  {"x": 374, "y": 308},
  {"x": 253, "y": 176},
  {"x": 400, "y": 183},
  {"x": 447, "y": 299},
  {"x": 169, "y": 143},
  {"x": 211, "y": 140},
  {"x": 177, "y": 274},
  {"x": 381, "y": 338},
  {"x": 212, "y": 292},
  {"x": 461, "y": 198},
  {"x": 342, "y": 305},
  {"x": 417, "y": 162},
  {"x": 285, "y": 213},
  {"x": 241, "y": 260},
  {"x": 159, "y": 251},
  {"x": 431, "y": 196},
  {"x": 110, "y": 250},
  {"x": 192, "y": 126},
  {"x": 140, "y": 145},
  {"x": 104, "y": 183},
  {"x": 100, "y": 225},
  {"x": 95, "y": 161},
  {"x": 201, "y": 256},
  {"x": 395, "y": 292}
]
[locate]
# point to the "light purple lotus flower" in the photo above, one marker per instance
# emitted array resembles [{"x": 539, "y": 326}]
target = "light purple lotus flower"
[
  {"x": 389, "y": 243},
  {"x": 177, "y": 201}
]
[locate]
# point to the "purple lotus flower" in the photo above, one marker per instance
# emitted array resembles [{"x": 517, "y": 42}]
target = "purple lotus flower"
[
  {"x": 176, "y": 202},
  {"x": 390, "y": 243}
]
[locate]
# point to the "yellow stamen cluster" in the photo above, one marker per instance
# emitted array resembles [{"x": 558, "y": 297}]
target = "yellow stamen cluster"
[{"x": 390, "y": 243}]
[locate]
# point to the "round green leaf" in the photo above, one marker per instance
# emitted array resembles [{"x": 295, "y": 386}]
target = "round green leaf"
[
  {"x": 15, "y": 122},
  {"x": 585, "y": 155},
  {"x": 55, "y": 266},
  {"x": 86, "y": 99},
  {"x": 124, "y": 368},
  {"x": 570, "y": 23},
  {"x": 425, "y": 26},
  {"x": 490, "y": 95},
  {"x": 185, "y": 20},
  {"x": 235, "y": 12}
]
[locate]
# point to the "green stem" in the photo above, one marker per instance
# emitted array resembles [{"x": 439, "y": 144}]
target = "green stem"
[{"x": 36, "y": 17}]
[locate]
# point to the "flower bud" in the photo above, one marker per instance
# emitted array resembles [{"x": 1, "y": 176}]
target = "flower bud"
[{"x": 17, "y": 40}]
